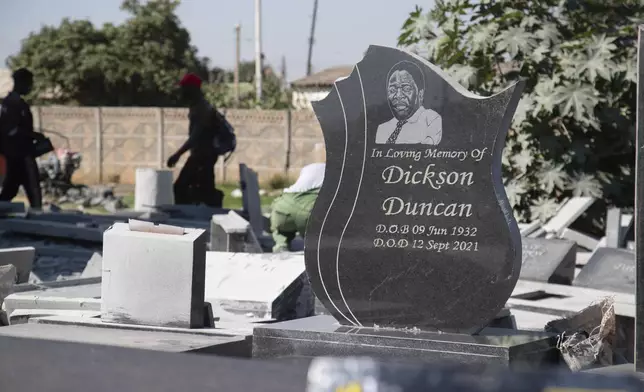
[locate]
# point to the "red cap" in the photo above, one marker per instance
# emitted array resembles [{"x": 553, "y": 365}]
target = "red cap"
[{"x": 190, "y": 79}]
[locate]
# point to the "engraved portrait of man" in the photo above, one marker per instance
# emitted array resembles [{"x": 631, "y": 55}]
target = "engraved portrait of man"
[{"x": 412, "y": 123}]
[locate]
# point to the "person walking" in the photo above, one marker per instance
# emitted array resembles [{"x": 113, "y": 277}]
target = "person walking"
[
  {"x": 17, "y": 142},
  {"x": 196, "y": 181}
]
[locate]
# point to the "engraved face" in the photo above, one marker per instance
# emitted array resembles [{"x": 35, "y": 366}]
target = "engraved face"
[{"x": 402, "y": 93}]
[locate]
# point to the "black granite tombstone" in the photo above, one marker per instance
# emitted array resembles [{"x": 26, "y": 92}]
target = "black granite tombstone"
[
  {"x": 609, "y": 269},
  {"x": 548, "y": 260},
  {"x": 412, "y": 229},
  {"x": 639, "y": 206}
]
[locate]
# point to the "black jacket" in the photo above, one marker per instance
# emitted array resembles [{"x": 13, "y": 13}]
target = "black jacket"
[{"x": 16, "y": 127}]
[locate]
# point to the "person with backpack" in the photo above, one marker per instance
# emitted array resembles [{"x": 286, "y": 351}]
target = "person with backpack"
[
  {"x": 210, "y": 136},
  {"x": 18, "y": 142}
]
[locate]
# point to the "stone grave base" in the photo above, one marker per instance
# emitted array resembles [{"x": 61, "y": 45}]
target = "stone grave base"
[
  {"x": 502, "y": 320},
  {"x": 233, "y": 339},
  {"x": 323, "y": 336}
]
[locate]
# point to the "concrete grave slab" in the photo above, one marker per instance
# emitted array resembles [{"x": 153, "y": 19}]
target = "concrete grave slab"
[
  {"x": 52, "y": 229},
  {"x": 548, "y": 260},
  {"x": 22, "y": 258},
  {"x": 94, "y": 266},
  {"x": 7, "y": 207},
  {"x": 153, "y": 278},
  {"x": 582, "y": 240},
  {"x": 146, "y": 340},
  {"x": 567, "y": 214},
  {"x": 7, "y": 280},
  {"x": 609, "y": 269},
  {"x": 614, "y": 235},
  {"x": 266, "y": 286}
]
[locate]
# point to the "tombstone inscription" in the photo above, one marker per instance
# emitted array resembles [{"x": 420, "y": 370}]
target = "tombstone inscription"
[
  {"x": 412, "y": 229},
  {"x": 412, "y": 220}
]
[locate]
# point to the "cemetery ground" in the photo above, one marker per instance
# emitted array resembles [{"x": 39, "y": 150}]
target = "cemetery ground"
[{"x": 232, "y": 198}]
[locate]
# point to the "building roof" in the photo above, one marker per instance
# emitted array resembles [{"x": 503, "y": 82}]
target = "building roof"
[{"x": 324, "y": 78}]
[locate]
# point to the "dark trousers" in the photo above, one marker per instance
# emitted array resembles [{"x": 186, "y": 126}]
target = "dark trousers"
[
  {"x": 22, "y": 172},
  {"x": 196, "y": 183}
]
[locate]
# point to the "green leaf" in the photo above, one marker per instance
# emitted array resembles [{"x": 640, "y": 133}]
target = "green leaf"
[
  {"x": 577, "y": 100},
  {"x": 515, "y": 189},
  {"x": 523, "y": 160},
  {"x": 552, "y": 177},
  {"x": 515, "y": 40},
  {"x": 549, "y": 34},
  {"x": 464, "y": 74},
  {"x": 586, "y": 185},
  {"x": 482, "y": 35},
  {"x": 543, "y": 209}
]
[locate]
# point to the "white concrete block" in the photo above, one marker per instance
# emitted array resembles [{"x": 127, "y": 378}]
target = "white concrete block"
[
  {"x": 264, "y": 285},
  {"x": 153, "y": 188},
  {"x": 152, "y": 278},
  {"x": 21, "y": 258}
]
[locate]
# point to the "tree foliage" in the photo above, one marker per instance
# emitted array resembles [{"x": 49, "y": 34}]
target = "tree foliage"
[
  {"x": 573, "y": 131},
  {"x": 136, "y": 63}
]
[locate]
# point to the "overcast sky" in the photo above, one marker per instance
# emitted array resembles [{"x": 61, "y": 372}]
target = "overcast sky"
[{"x": 344, "y": 27}]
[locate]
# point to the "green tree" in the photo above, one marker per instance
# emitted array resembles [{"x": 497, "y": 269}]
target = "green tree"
[
  {"x": 136, "y": 63},
  {"x": 573, "y": 131}
]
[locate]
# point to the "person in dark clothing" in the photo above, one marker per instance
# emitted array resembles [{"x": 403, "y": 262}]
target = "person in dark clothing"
[
  {"x": 17, "y": 139},
  {"x": 196, "y": 181}
]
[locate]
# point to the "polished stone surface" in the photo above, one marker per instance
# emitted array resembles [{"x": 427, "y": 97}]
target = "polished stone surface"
[
  {"x": 548, "y": 261},
  {"x": 639, "y": 205},
  {"x": 417, "y": 232},
  {"x": 324, "y": 336},
  {"x": 609, "y": 269}
]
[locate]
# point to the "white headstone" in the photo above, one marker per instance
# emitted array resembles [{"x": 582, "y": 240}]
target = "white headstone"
[
  {"x": 152, "y": 278},
  {"x": 153, "y": 188}
]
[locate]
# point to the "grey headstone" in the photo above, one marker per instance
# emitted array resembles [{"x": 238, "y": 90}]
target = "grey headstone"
[
  {"x": 21, "y": 258},
  {"x": 548, "y": 260},
  {"x": 609, "y": 269},
  {"x": 232, "y": 233},
  {"x": 94, "y": 266},
  {"x": 251, "y": 199},
  {"x": 412, "y": 227}
]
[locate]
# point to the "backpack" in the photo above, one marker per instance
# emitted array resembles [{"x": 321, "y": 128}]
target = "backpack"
[{"x": 225, "y": 140}]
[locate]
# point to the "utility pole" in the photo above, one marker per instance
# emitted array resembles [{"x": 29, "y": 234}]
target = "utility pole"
[
  {"x": 312, "y": 39},
  {"x": 258, "y": 49},
  {"x": 283, "y": 74},
  {"x": 237, "y": 60}
]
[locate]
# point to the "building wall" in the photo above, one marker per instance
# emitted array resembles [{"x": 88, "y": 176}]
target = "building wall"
[
  {"x": 6, "y": 82},
  {"x": 302, "y": 98},
  {"x": 115, "y": 141}
]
